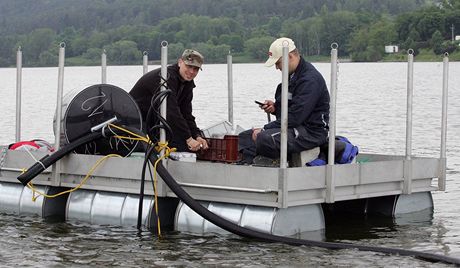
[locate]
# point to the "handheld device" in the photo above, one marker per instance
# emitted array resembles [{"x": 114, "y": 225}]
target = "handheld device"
[{"x": 260, "y": 103}]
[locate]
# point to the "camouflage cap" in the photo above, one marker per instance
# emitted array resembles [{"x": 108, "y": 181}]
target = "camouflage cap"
[{"x": 193, "y": 58}]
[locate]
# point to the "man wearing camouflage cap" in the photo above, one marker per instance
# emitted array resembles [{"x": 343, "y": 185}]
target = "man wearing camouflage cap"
[{"x": 185, "y": 133}]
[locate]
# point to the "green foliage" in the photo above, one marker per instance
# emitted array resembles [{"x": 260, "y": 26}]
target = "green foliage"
[
  {"x": 175, "y": 51},
  {"x": 426, "y": 55},
  {"x": 436, "y": 42},
  {"x": 455, "y": 56},
  {"x": 235, "y": 42},
  {"x": 92, "y": 54},
  {"x": 126, "y": 29},
  {"x": 47, "y": 58},
  {"x": 38, "y": 41},
  {"x": 368, "y": 43},
  {"x": 214, "y": 53},
  {"x": 78, "y": 61},
  {"x": 8, "y": 50},
  {"x": 338, "y": 28},
  {"x": 257, "y": 47},
  {"x": 123, "y": 51},
  {"x": 449, "y": 47}
]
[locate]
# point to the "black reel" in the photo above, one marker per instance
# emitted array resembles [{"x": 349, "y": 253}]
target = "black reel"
[{"x": 94, "y": 106}]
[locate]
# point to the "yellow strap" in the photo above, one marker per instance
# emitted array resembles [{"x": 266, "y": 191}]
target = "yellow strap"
[
  {"x": 36, "y": 193},
  {"x": 159, "y": 147}
]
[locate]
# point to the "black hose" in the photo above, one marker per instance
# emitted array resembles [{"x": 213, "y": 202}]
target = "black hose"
[
  {"x": 149, "y": 151},
  {"x": 223, "y": 223},
  {"x": 48, "y": 160},
  {"x": 154, "y": 121},
  {"x": 245, "y": 232}
]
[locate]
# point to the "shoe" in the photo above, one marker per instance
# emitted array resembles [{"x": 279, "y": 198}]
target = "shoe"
[
  {"x": 264, "y": 161},
  {"x": 241, "y": 162},
  {"x": 245, "y": 160}
]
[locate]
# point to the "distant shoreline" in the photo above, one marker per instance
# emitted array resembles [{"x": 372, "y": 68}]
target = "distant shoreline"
[{"x": 421, "y": 57}]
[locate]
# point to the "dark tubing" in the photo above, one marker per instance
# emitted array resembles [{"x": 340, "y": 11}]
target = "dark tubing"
[
  {"x": 48, "y": 160},
  {"x": 245, "y": 232},
  {"x": 141, "y": 190},
  {"x": 223, "y": 223}
]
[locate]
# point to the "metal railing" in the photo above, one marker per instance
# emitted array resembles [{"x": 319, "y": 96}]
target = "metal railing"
[{"x": 330, "y": 186}]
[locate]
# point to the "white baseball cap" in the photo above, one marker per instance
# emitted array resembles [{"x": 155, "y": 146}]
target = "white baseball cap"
[{"x": 276, "y": 50}]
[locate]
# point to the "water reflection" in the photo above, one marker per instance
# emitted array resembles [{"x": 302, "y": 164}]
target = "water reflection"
[
  {"x": 80, "y": 244},
  {"x": 346, "y": 226}
]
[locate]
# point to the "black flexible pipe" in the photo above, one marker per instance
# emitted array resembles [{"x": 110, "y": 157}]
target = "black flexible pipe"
[
  {"x": 245, "y": 232},
  {"x": 48, "y": 160},
  {"x": 150, "y": 150},
  {"x": 154, "y": 117},
  {"x": 224, "y": 223}
]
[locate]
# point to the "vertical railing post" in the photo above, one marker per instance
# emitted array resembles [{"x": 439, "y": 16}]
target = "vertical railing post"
[
  {"x": 159, "y": 186},
  {"x": 230, "y": 90},
  {"x": 330, "y": 171},
  {"x": 407, "y": 187},
  {"x": 145, "y": 62},
  {"x": 284, "y": 105},
  {"x": 104, "y": 67},
  {"x": 443, "y": 157},
  {"x": 164, "y": 74},
  {"x": 57, "y": 127},
  {"x": 161, "y": 189},
  {"x": 18, "y": 93},
  {"x": 282, "y": 176}
]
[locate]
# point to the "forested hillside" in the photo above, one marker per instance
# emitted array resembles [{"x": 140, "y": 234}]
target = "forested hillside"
[{"x": 246, "y": 27}]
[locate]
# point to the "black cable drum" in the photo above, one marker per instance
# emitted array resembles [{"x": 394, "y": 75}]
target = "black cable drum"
[{"x": 92, "y": 106}]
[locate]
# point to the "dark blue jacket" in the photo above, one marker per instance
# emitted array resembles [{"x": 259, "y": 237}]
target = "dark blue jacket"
[{"x": 308, "y": 103}]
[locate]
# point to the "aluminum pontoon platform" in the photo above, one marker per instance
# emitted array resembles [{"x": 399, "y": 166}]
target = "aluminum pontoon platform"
[
  {"x": 279, "y": 200},
  {"x": 246, "y": 193}
]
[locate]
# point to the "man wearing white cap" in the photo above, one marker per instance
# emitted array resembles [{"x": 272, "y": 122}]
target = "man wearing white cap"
[
  {"x": 308, "y": 110},
  {"x": 185, "y": 133}
]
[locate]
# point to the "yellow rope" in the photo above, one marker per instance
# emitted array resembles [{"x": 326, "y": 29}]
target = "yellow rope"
[
  {"x": 145, "y": 139},
  {"x": 36, "y": 193},
  {"x": 159, "y": 147}
]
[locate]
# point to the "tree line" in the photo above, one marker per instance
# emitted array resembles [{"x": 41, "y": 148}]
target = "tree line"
[{"x": 127, "y": 29}]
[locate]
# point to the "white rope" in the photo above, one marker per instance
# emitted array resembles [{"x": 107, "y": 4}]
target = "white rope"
[{"x": 33, "y": 157}]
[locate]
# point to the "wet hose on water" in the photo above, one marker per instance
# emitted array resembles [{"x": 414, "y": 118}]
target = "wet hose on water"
[
  {"x": 249, "y": 233},
  {"x": 221, "y": 222}
]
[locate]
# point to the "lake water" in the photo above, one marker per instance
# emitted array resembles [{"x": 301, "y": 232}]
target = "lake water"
[{"x": 371, "y": 111}]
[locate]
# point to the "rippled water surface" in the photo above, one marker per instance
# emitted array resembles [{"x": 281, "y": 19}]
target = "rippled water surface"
[{"x": 370, "y": 112}]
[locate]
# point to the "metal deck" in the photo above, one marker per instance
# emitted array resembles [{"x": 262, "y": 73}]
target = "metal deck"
[{"x": 372, "y": 176}]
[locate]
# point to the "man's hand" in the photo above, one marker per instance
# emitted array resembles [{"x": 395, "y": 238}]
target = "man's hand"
[
  {"x": 193, "y": 144},
  {"x": 255, "y": 132},
  {"x": 203, "y": 142},
  {"x": 268, "y": 106}
]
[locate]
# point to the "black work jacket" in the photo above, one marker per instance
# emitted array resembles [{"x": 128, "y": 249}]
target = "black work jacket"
[{"x": 179, "y": 103}]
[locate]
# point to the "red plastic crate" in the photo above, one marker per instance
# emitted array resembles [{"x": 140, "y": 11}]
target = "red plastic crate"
[{"x": 221, "y": 150}]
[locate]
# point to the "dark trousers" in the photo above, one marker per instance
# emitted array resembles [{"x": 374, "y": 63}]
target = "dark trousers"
[{"x": 268, "y": 142}]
